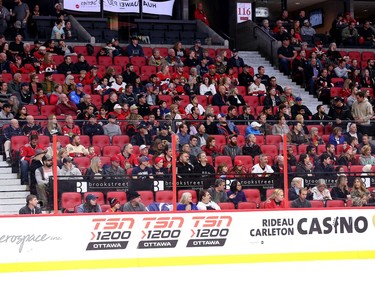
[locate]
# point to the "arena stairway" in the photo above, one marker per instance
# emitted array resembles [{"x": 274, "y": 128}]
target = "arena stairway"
[
  {"x": 12, "y": 193},
  {"x": 254, "y": 59}
]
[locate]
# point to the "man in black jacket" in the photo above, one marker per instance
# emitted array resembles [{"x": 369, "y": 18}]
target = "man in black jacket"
[
  {"x": 31, "y": 206},
  {"x": 340, "y": 113}
]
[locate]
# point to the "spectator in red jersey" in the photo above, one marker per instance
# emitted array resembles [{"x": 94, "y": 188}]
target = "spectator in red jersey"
[
  {"x": 117, "y": 111},
  {"x": 127, "y": 158},
  {"x": 40, "y": 53},
  {"x": 93, "y": 77},
  {"x": 65, "y": 106},
  {"x": 17, "y": 66},
  {"x": 199, "y": 14},
  {"x": 48, "y": 63},
  {"x": 70, "y": 129},
  {"x": 27, "y": 152}
]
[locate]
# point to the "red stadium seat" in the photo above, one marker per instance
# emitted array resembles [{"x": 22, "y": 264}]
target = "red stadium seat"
[
  {"x": 101, "y": 69},
  {"x": 274, "y": 139},
  {"x": 368, "y": 56},
  {"x": 241, "y": 140},
  {"x": 321, "y": 148},
  {"x": 119, "y": 195},
  {"x": 69, "y": 200},
  {"x": 16, "y": 142},
  {"x": 258, "y": 110},
  {"x": 138, "y": 61},
  {"x": 147, "y": 71},
  {"x": 223, "y": 159},
  {"x": 82, "y": 162},
  {"x": 164, "y": 196},
  {"x": 224, "y": 109},
  {"x": 216, "y": 109},
  {"x": 302, "y": 148},
  {"x": 147, "y": 196},
  {"x": 317, "y": 204},
  {"x": 97, "y": 50},
  {"x": 147, "y": 51},
  {"x": 120, "y": 140},
  {"x": 110, "y": 150},
  {"x": 242, "y": 129},
  {"x": 105, "y": 60},
  {"x": 319, "y": 127},
  {"x": 355, "y": 55},
  {"x": 202, "y": 100},
  {"x": 63, "y": 140},
  {"x": 242, "y": 91},
  {"x": 97, "y": 100},
  {"x": 105, "y": 160},
  {"x": 85, "y": 140},
  {"x": 117, "y": 68},
  {"x": 343, "y": 53},
  {"x": 58, "y": 78},
  {"x": 47, "y": 110},
  {"x": 252, "y": 195},
  {"x": 247, "y": 205},
  {"x": 210, "y": 160},
  {"x": 163, "y": 51},
  {"x": 58, "y": 59},
  {"x": 32, "y": 109},
  {"x": 220, "y": 140},
  {"x": 335, "y": 92},
  {"x": 247, "y": 161},
  {"x": 91, "y": 60},
  {"x": 269, "y": 192},
  {"x": 192, "y": 192},
  {"x": 356, "y": 170},
  {"x": 105, "y": 207},
  {"x": 252, "y": 101},
  {"x": 270, "y": 149},
  {"x": 226, "y": 206},
  {"x": 7, "y": 77},
  {"x": 81, "y": 50},
  {"x": 335, "y": 203},
  {"x": 99, "y": 195},
  {"x": 100, "y": 140},
  {"x": 44, "y": 141},
  {"x": 185, "y": 100},
  {"x": 339, "y": 149},
  {"x": 74, "y": 59},
  {"x": 260, "y": 140},
  {"x": 121, "y": 60},
  {"x": 337, "y": 81},
  {"x": 166, "y": 98}
]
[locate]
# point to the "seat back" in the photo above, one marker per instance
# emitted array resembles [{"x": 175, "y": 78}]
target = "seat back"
[
  {"x": 147, "y": 197},
  {"x": 69, "y": 200},
  {"x": 252, "y": 195},
  {"x": 164, "y": 196},
  {"x": 100, "y": 140},
  {"x": 119, "y": 195},
  {"x": 247, "y": 205},
  {"x": 192, "y": 192},
  {"x": 226, "y": 206}
]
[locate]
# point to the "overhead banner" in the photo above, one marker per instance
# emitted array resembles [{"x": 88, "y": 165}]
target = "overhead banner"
[
  {"x": 158, "y": 8},
  {"x": 82, "y": 5},
  {"x": 121, "y": 6}
]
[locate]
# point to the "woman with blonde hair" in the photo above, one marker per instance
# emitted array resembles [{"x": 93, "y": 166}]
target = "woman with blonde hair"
[
  {"x": 366, "y": 158},
  {"x": 314, "y": 137},
  {"x": 276, "y": 200},
  {"x": 48, "y": 62},
  {"x": 341, "y": 190},
  {"x": 186, "y": 203},
  {"x": 235, "y": 98},
  {"x": 175, "y": 115},
  {"x": 95, "y": 170},
  {"x": 53, "y": 127},
  {"x": 360, "y": 195}
]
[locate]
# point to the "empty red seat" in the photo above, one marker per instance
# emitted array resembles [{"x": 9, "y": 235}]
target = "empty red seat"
[
  {"x": 99, "y": 195},
  {"x": 202, "y": 100},
  {"x": 354, "y": 55},
  {"x": 164, "y": 196},
  {"x": 32, "y": 109},
  {"x": 252, "y": 101},
  {"x": 220, "y": 140},
  {"x": 317, "y": 204},
  {"x": 226, "y": 205},
  {"x": 121, "y": 60},
  {"x": 242, "y": 91},
  {"x": 242, "y": 129},
  {"x": 110, "y": 150},
  {"x": 247, "y": 205},
  {"x": 105, "y": 60},
  {"x": 16, "y": 142},
  {"x": 58, "y": 59},
  {"x": 105, "y": 207},
  {"x": 270, "y": 149},
  {"x": 91, "y": 60},
  {"x": 147, "y": 71},
  {"x": 85, "y": 140},
  {"x": 81, "y": 50},
  {"x": 63, "y": 140},
  {"x": 192, "y": 192},
  {"x": 119, "y": 195},
  {"x": 335, "y": 203},
  {"x": 302, "y": 148},
  {"x": 166, "y": 98},
  {"x": 101, "y": 140},
  {"x": 105, "y": 160},
  {"x": 47, "y": 110},
  {"x": 252, "y": 195},
  {"x": 147, "y": 51},
  {"x": 69, "y": 200},
  {"x": 97, "y": 100},
  {"x": 368, "y": 56},
  {"x": 247, "y": 161},
  {"x": 147, "y": 196},
  {"x": 120, "y": 140},
  {"x": 58, "y": 78},
  {"x": 138, "y": 61},
  {"x": 82, "y": 162},
  {"x": 274, "y": 139},
  {"x": 44, "y": 141}
]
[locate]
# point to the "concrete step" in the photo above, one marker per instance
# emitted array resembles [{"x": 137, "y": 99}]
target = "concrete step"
[
  {"x": 17, "y": 187},
  {"x": 7, "y": 182},
  {"x": 14, "y": 194},
  {"x": 11, "y": 208},
  {"x": 8, "y": 176},
  {"x": 12, "y": 201},
  {"x": 7, "y": 170}
]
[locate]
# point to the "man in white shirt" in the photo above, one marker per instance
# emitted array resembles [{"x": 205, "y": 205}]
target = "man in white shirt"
[
  {"x": 257, "y": 88},
  {"x": 262, "y": 168}
]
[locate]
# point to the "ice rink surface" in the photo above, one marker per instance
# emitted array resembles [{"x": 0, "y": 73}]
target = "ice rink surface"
[{"x": 345, "y": 270}]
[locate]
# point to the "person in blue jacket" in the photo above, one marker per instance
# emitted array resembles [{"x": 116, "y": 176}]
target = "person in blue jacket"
[{"x": 186, "y": 203}]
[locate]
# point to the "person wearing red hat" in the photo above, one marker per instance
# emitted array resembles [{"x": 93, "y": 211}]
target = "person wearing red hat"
[
  {"x": 115, "y": 205},
  {"x": 114, "y": 171},
  {"x": 238, "y": 170},
  {"x": 158, "y": 169},
  {"x": 347, "y": 156}
]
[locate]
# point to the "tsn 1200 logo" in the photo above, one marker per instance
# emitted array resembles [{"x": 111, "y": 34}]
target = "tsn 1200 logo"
[
  {"x": 160, "y": 232},
  {"x": 110, "y": 233},
  {"x": 209, "y": 231}
]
